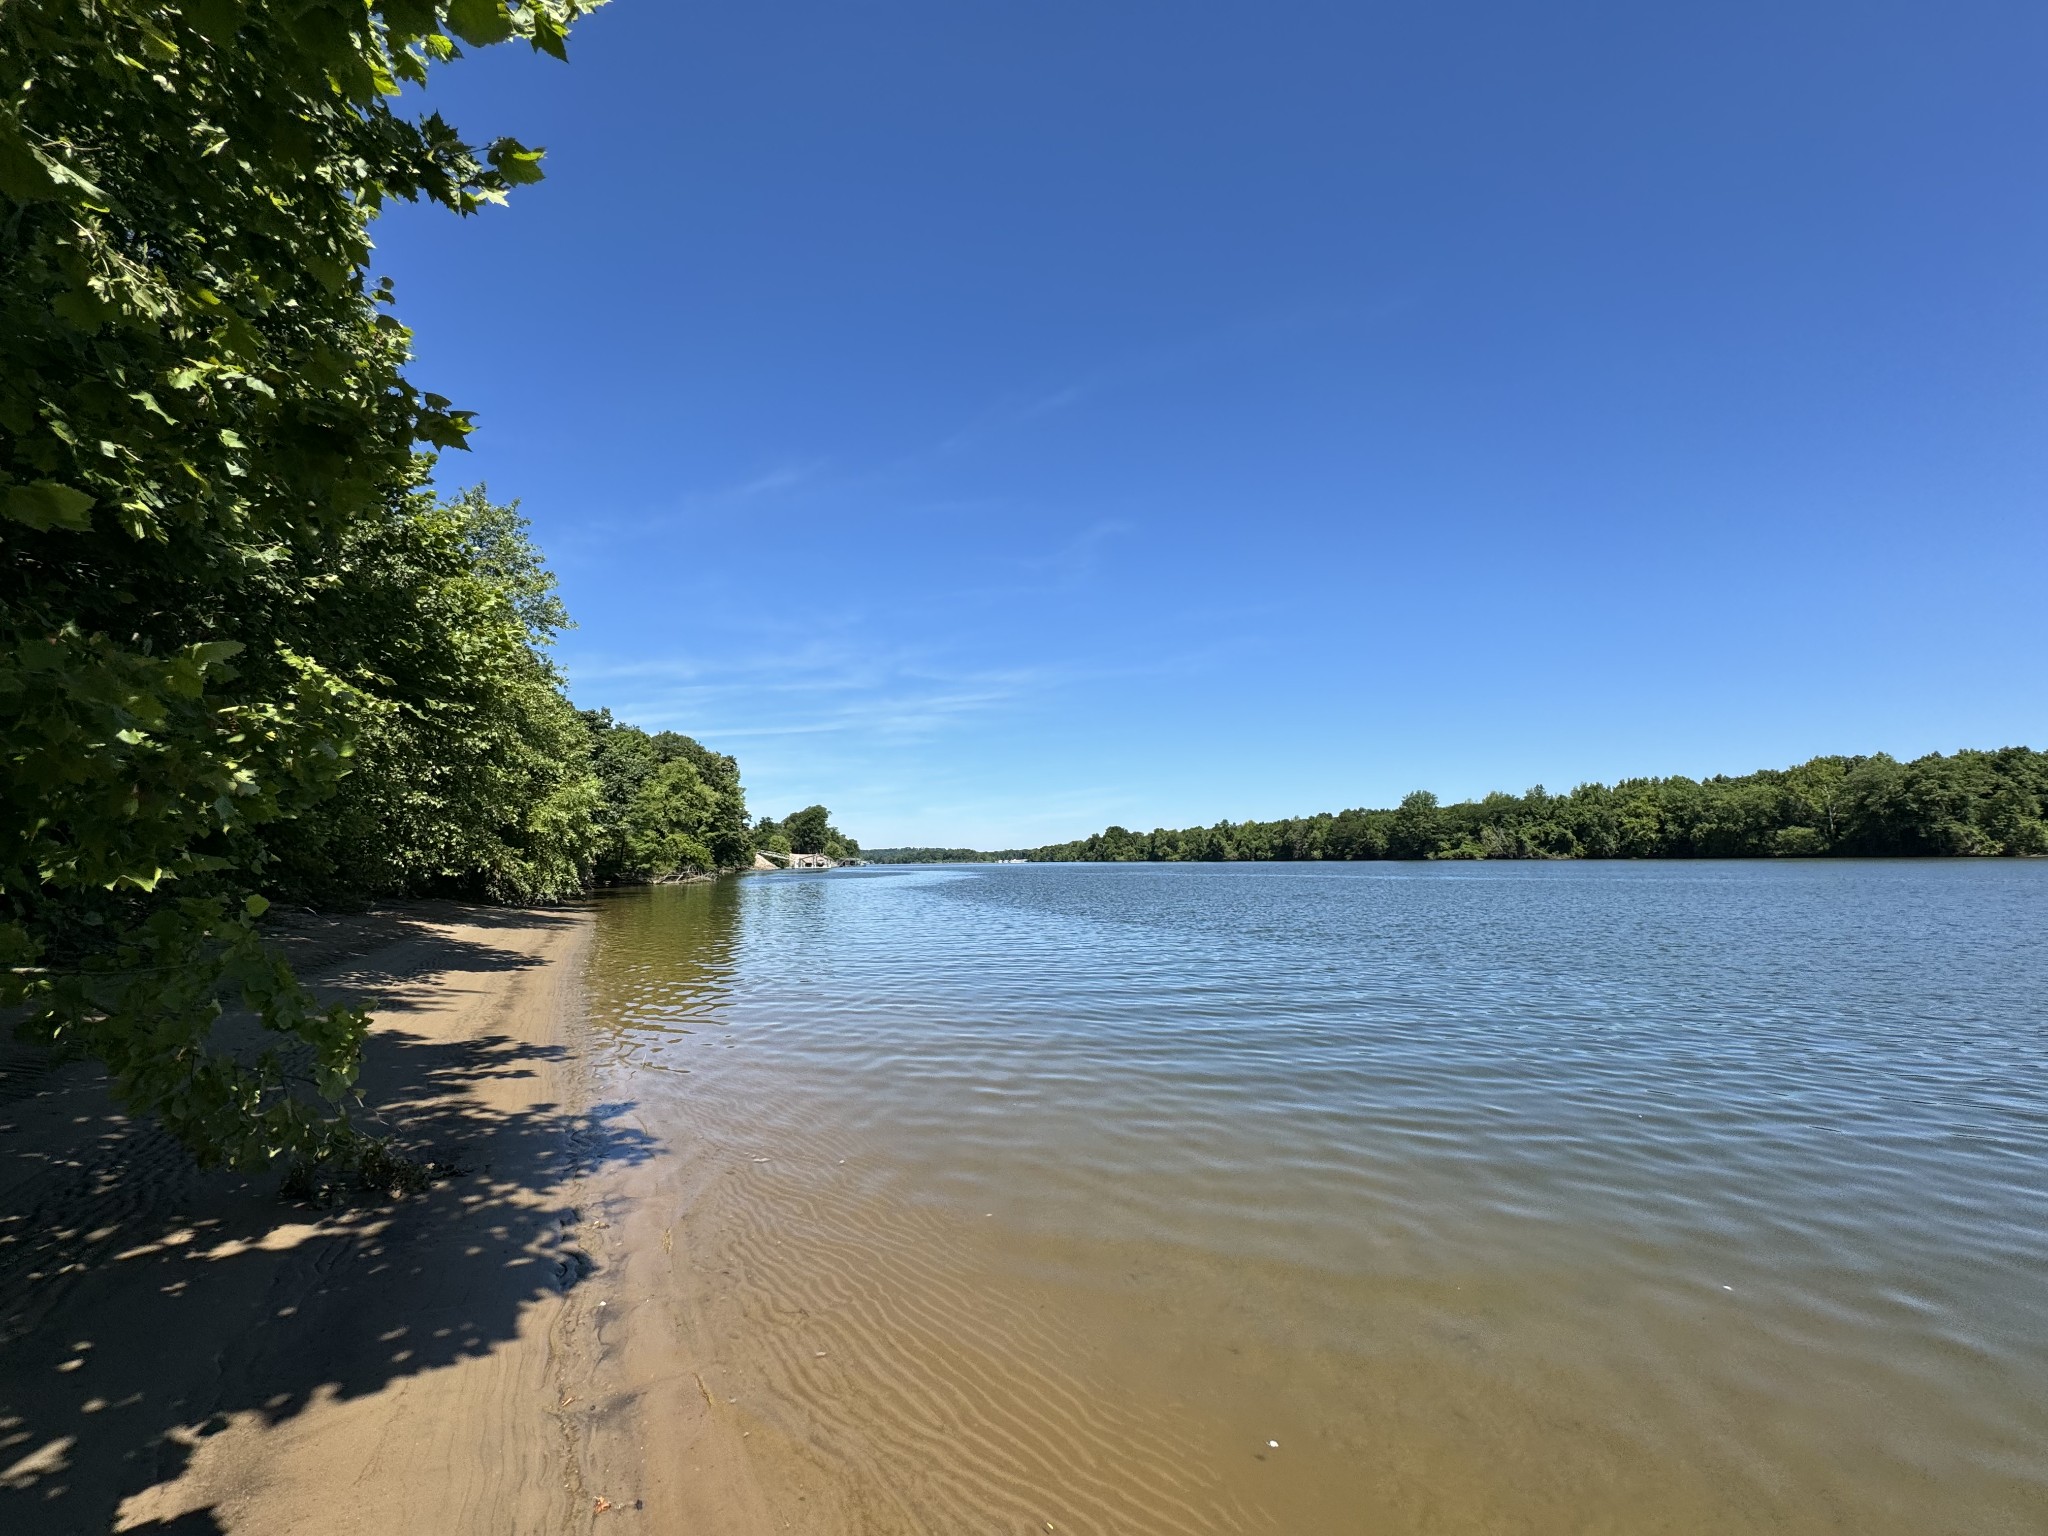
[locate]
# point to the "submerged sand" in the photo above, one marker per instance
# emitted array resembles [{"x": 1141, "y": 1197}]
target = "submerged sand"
[{"x": 195, "y": 1353}]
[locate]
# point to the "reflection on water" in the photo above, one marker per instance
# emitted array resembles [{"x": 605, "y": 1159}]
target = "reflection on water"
[{"x": 1547, "y": 1198}]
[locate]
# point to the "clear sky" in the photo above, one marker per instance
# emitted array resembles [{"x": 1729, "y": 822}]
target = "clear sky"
[{"x": 998, "y": 420}]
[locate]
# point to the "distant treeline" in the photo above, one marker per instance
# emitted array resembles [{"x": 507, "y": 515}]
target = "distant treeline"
[
  {"x": 1971, "y": 803},
  {"x": 942, "y": 855}
]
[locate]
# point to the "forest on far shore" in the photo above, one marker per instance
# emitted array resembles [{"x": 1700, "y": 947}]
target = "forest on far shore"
[{"x": 1966, "y": 804}]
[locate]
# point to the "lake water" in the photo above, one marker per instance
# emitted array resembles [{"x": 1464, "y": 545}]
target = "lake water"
[{"x": 1702, "y": 1197}]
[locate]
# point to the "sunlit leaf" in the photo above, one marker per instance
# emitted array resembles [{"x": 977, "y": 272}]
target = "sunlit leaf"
[
  {"x": 46, "y": 504},
  {"x": 515, "y": 162},
  {"x": 480, "y": 22}
]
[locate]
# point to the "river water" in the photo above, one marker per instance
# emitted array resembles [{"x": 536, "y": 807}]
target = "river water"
[{"x": 1658, "y": 1197}]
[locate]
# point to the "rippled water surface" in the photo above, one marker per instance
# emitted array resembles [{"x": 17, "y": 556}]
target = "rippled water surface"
[{"x": 1545, "y": 1198}]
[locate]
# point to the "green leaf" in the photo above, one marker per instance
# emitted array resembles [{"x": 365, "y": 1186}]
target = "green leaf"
[
  {"x": 28, "y": 174},
  {"x": 46, "y": 504},
  {"x": 408, "y": 19},
  {"x": 480, "y": 22},
  {"x": 327, "y": 36},
  {"x": 255, "y": 906},
  {"x": 549, "y": 37},
  {"x": 217, "y": 20},
  {"x": 23, "y": 174},
  {"x": 515, "y": 162}
]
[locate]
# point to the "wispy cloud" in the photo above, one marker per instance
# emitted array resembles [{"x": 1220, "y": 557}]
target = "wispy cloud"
[
  {"x": 781, "y": 478},
  {"x": 1079, "y": 559},
  {"x": 1008, "y": 415},
  {"x": 823, "y": 688},
  {"x": 905, "y": 744}
]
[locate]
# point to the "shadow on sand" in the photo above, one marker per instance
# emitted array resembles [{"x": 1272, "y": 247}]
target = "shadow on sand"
[{"x": 144, "y": 1305}]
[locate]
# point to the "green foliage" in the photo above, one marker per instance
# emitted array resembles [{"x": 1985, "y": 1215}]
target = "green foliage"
[
  {"x": 202, "y": 409},
  {"x": 664, "y": 818},
  {"x": 807, "y": 829},
  {"x": 471, "y": 772},
  {"x": 667, "y": 807},
  {"x": 1971, "y": 803}
]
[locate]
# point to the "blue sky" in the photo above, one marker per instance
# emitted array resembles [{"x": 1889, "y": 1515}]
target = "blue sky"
[{"x": 996, "y": 421}]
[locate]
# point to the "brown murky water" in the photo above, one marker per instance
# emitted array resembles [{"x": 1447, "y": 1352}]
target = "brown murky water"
[{"x": 1634, "y": 1198}]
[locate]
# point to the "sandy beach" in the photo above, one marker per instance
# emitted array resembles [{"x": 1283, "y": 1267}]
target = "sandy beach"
[{"x": 187, "y": 1352}]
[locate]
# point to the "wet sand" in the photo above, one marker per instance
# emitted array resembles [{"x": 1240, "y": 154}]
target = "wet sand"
[{"x": 190, "y": 1353}]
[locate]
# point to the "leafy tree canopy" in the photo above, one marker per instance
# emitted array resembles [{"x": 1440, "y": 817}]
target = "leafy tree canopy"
[
  {"x": 204, "y": 419},
  {"x": 669, "y": 807},
  {"x": 470, "y": 772}
]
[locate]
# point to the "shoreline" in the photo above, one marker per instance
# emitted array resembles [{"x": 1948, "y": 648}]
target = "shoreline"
[{"x": 191, "y": 1352}]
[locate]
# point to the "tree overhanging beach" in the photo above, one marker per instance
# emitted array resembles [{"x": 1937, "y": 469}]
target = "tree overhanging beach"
[{"x": 248, "y": 653}]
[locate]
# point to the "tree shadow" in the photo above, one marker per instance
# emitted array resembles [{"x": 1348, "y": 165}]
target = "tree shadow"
[
  {"x": 352, "y": 954},
  {"x": 145, "y": 1305}
]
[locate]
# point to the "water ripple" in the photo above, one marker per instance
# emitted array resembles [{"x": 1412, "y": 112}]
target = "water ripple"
[{"x": 1648, "y": 1197}]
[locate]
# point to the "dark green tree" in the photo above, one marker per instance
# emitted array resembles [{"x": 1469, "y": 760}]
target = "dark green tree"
[
  {"x": 471, "y": 772},
  {"x": 670, "y": 806},
  {"x": 1417, "y": 828},
  {"x": 809, "y": 829}
]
